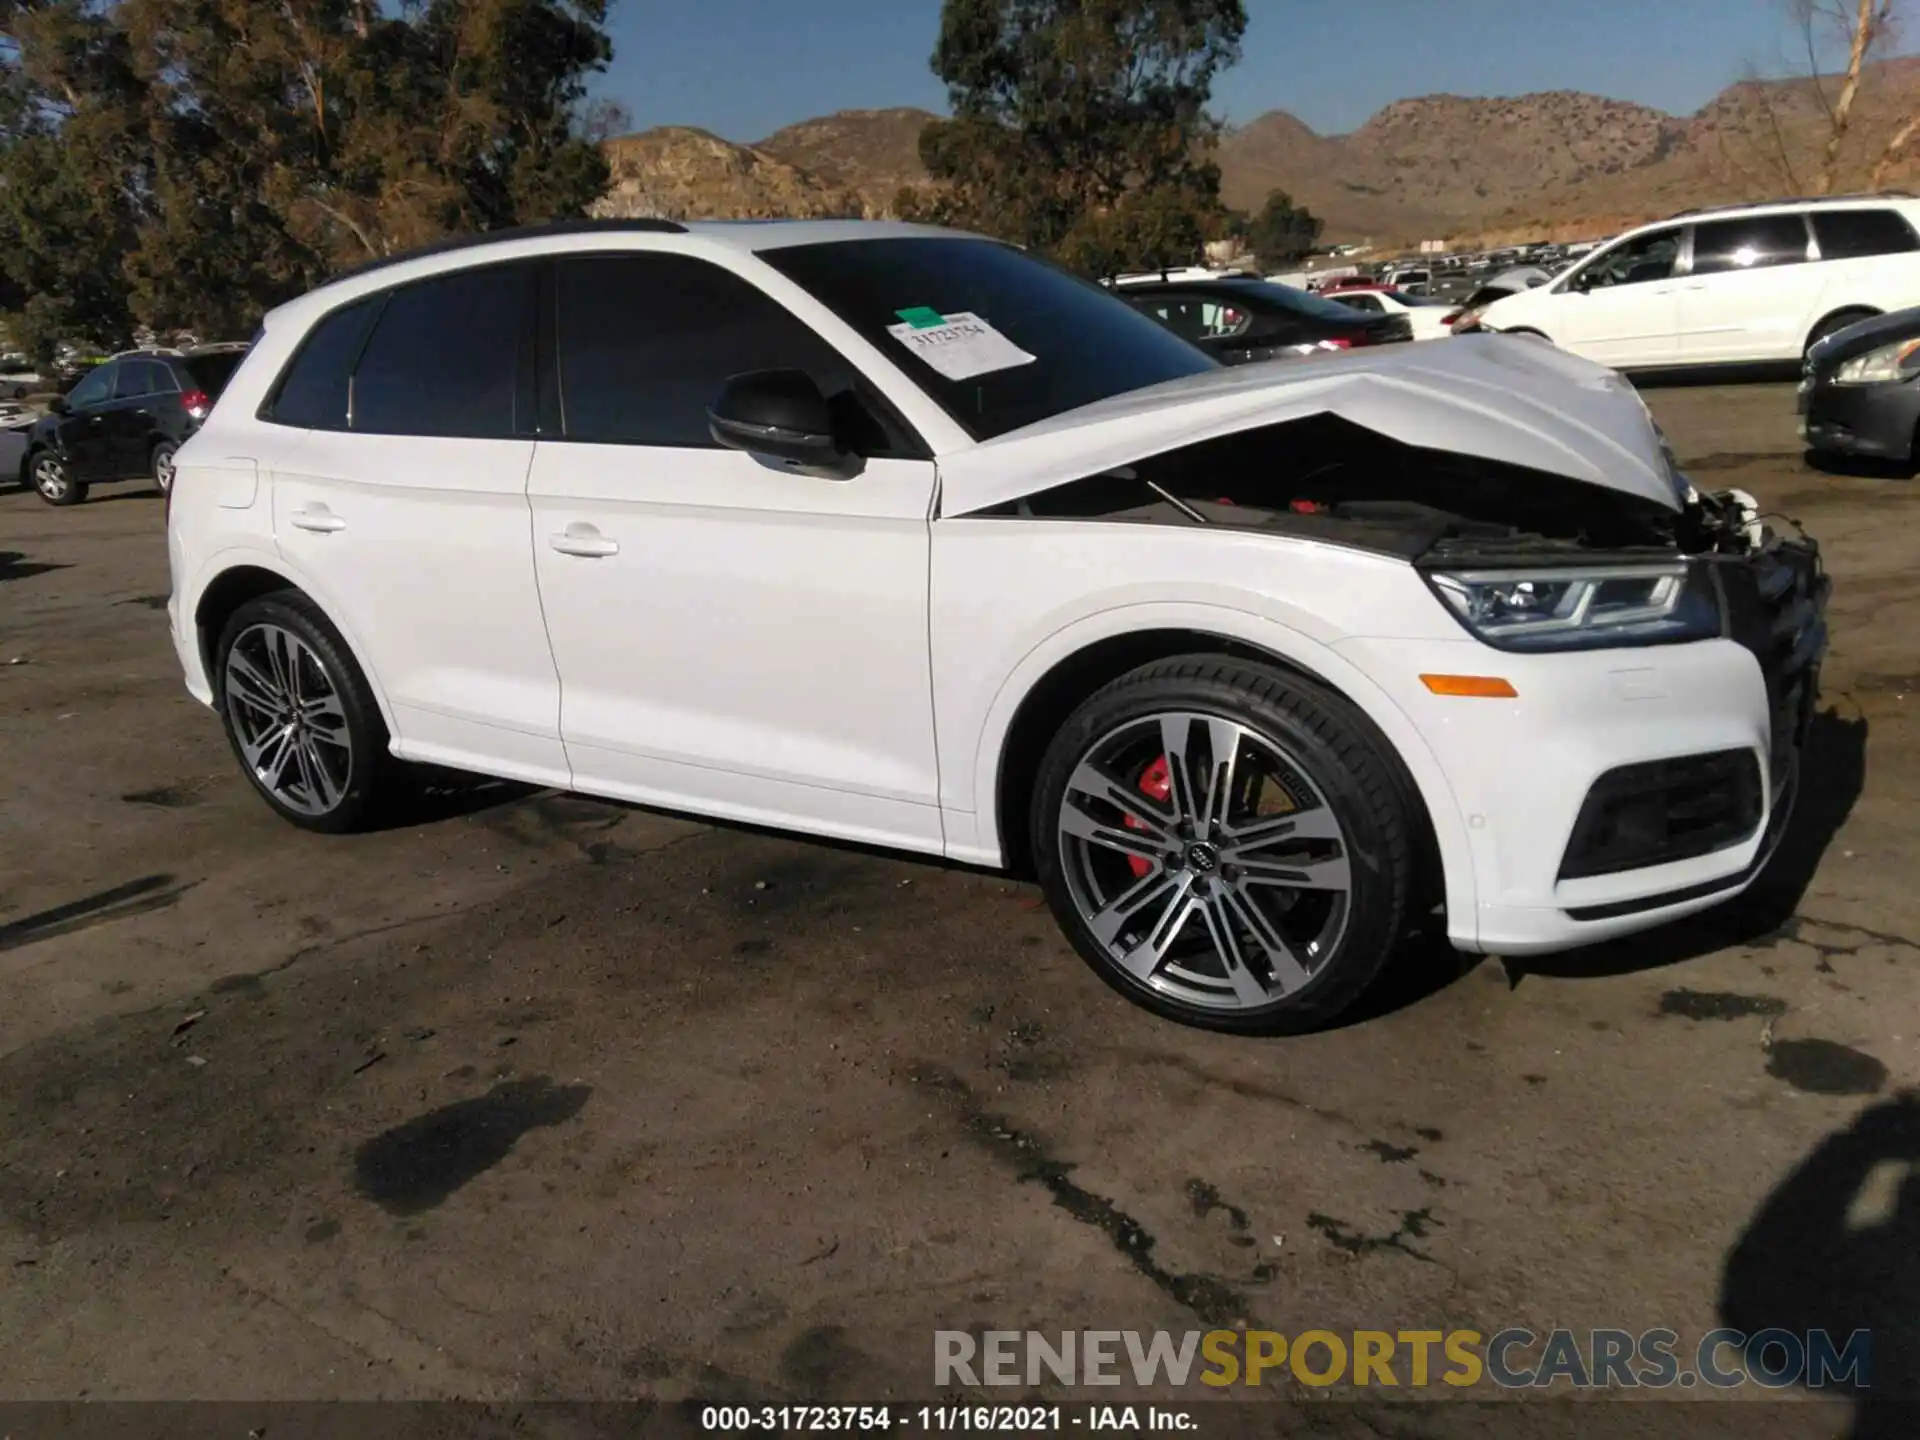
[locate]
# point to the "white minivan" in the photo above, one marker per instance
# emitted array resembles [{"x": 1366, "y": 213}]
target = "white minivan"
[{"x": 1737, "y": 285}]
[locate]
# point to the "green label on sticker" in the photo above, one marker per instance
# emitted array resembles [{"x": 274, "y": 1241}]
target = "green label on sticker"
[{"x": 922, "y": 317}]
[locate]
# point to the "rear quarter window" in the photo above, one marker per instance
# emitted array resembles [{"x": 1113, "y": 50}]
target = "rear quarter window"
[
  {"x": 312, "y": 393},
  {"x": 1855, "y": 234}
]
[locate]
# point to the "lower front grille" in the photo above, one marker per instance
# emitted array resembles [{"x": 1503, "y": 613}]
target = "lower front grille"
[{"x": 1655, "y": 813}]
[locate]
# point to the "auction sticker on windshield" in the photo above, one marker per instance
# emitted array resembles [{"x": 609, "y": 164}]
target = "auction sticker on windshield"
[{"x": 958, "y": 347}]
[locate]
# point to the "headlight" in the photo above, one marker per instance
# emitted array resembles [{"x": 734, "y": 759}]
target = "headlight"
[
  {"x": 1877, "y": 367},
  {"x": 1583, "y": 609}
]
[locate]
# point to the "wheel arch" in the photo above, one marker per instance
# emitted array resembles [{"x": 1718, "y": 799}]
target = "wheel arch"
[
  {"x": 1016, "y": 741},
  {"x": 1824, "y": 325},
  {"x": 249, "y": 577}
]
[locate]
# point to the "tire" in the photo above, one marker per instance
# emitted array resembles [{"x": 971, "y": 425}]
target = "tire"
[
  {"x": 1834, "y": 323},
  {"x": 1145, "y": 904},
  {"x": 53, "y": 481},
  {"x": 331, "y": 773},
  {"x": 160, "y": 464}
]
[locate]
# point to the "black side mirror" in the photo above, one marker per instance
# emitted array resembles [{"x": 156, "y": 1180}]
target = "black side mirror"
[
  {"x": 58, "y": 405},
  {"x": 778, "y": 415}
]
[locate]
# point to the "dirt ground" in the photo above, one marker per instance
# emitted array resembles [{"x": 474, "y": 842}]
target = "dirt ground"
[{"x": 540, "y": 1097}]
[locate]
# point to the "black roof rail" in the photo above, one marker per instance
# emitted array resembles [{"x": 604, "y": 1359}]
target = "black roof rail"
[
  {"x": 1795, "y": 200},
  {"x": 457, "y": 243}
]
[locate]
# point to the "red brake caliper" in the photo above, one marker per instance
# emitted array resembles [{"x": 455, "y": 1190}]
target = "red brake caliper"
[{"x": 1156, "y": 785}]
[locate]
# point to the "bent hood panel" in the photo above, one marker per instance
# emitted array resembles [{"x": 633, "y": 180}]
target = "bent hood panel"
[{"x": 1514, "y": 400}]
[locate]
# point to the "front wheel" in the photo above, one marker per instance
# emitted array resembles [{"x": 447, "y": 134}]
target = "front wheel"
[
  {"x": 300, "y": 715},
  {"x": 53, "y": 480},
  {"x": 1226, "y": 845},
  {"x": 162, "y": 465}
]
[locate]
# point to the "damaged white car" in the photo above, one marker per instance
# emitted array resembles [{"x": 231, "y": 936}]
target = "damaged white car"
[{"x": 901, "y": 536}]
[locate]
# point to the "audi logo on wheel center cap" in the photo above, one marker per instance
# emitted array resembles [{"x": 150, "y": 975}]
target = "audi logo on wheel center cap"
[{"x": 1202, "y": 859}]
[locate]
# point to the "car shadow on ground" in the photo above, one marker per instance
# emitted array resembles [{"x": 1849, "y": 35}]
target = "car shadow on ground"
[
  {"x": 431, "y": 794},
  {"x": 1858, "y": 465},
  {"x": 1835, "y": 1248},
  {"x": 1833, "y": 771},
  {"x": 16, "y": 566}
]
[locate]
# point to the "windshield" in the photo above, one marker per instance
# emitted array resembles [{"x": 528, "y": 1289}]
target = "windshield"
[{"x": 1085, "y": 344}]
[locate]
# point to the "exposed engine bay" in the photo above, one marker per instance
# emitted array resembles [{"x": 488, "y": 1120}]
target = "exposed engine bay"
[{"x": 1325, "y": 478}]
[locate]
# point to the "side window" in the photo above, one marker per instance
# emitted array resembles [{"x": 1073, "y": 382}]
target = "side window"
[
  {"x": 644, "y": 343},
  {"x": 1369, "y": 303},
  {"x": 134, "y": 380},
  {"x": 1754, "y": 243},
  {"x": 1854, "y": 234},
  {"x": 1639, "y": 261},
  {"x": 312, "y": 392},
  {"x": 1184, "y": 316},
  {"x": 164, "y": 382},
  {"x": 94, "y": 388},
  {"x": 451, "y": 356}
]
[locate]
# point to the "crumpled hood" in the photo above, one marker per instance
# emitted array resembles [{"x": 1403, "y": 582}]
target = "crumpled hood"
[{"x": 1513, "y": 399}]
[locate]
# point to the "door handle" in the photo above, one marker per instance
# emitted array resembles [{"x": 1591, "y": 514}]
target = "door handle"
[
  {"x": 584, "y": 540},
  {"x": 318, "y": 519}
]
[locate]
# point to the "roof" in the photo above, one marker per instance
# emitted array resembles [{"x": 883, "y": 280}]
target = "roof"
[
  {"x": 745, "y": 234},
  {"x": 1796, "y": 202}
]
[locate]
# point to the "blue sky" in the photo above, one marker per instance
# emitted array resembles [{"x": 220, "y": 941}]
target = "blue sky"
[{"x": 744, "y": 68}]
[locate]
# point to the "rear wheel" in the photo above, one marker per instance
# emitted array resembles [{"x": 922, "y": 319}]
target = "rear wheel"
[
  {"x": 161, "y": 466},
  {"x": 1833, "y": 324},
  {"x": 53, "y": 480},
  {"x": 1225, "y": 844},
  {"x": 300, "y": 715}
]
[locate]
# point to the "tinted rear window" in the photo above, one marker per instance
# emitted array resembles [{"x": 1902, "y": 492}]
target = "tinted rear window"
[
  {"x": 313, "y": 392},
  {"x": 451, "y": 356},
  {"x": 211, "y": 372},
  {"x": 1851, "y": 234}
]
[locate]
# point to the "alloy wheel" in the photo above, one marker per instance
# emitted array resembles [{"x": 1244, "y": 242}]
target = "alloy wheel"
[
  {"x": 50, "y": 477},
  {"x": 163, "y": 468},
  {"x": 1204, "y": 861},
  {"x": 288, "y": 719}
]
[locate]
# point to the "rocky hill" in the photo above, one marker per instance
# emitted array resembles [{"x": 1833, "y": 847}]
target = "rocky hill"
[
  {"x": 686, "y": 174},
  {"x": 1558, "y": 163}
]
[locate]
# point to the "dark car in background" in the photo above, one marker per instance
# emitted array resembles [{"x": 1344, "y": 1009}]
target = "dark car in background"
[
  {"x": 1239, "y": 321},
  {"x": 1860, "y": 392},
  {"x": 124, "y": 420}
]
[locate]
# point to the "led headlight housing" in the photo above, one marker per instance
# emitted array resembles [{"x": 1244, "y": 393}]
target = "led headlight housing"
[
  {"x": 1586, "y": 607},
  {"x": 1889, "y": 363}
]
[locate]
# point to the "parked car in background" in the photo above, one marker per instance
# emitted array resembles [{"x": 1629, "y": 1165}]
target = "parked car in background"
[
  {"x": 125, "y": 420},
  {"x": 16, "y": 423},
  {"x": 19, "y": 377},
  {"x": 1860, "y": 391},
  {"x": 1465, "y": 317},
  {"x": 1736, "y": 285},
  {"x": 1238, "y": 321},
  {"x": 1428, "y": 317},
  {"x": 885, "y": 533}
]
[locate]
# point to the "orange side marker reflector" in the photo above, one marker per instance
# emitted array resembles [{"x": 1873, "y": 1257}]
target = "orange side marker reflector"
[{"x": 1483, "y": 687}]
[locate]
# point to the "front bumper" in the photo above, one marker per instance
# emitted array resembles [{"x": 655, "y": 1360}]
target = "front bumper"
[
  {"x": 1876, "y": 422},
  {"x": 1521, "y": 770}
]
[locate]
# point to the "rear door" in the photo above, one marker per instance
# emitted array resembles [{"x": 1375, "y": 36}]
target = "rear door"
[
  {"x": 405, "y": 505},
  {"x": 1747, "y": 294},
  {"x": 1624, "y": 308}
]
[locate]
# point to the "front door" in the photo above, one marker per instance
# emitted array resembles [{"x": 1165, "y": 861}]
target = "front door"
[
  {"x": 85, "y": 430},
  {"x": 732, "y": 638},
  {"x": 405, "y": 507},
  {"x": 1624, "y": 308}
]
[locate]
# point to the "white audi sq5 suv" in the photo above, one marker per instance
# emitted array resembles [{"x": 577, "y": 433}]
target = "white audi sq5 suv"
[{"x": 903, "y": 536}]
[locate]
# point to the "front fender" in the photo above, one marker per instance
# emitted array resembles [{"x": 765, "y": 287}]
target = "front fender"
[{"x": 1246, "y": 625}]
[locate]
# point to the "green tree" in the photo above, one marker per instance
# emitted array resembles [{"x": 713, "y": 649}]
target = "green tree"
[
  {"x": 1281, "y": 232},
  {"x": 190, "y": 163},
  {"x": 1080, "y": 126}
]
